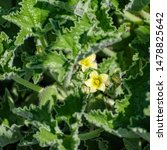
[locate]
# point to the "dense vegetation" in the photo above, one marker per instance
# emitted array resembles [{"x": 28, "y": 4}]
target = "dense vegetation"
[{"x": 74, "y": 74}]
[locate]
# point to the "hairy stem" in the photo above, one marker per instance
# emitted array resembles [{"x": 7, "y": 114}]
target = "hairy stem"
[
  {"x": 27, "y": 84},
  {"x": 91, "y": 134},
  {"x": 145, "y": 15},
  {"x": 70, "y": 73},
  {"x": 132, "y": 17}
]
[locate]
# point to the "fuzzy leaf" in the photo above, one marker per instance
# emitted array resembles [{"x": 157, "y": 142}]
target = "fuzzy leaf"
[
  {"x": 7, "y": 117},
  {"x": 65, "y": 6},
  {"x": 6, "y": 56},
  {"x": 9, "y": 135},
  {"x": 104, "y": 119},
  {"x": 103, "y": 144},
  {"x": 45, "y": 138},
  {"x": 137, "y": 5},
  {"x": 65, "y": 42},
  {"x": 71, "y": 142},
  {"x": 109, "y": 64},
  {"x": 132, "y": 144},
  {"x": 73, "y": 104},
  {"x": 121, "y": 105},
  {"x": 147, "y": 147},
  {"x": 138, "y": 99},
  {"x": 27, "y": 18},
  {"x": 35, "y": 115},
  {"x": 102, "y": 14},
  {"x": 141, "y": 133},
  {"x": 47, "y": 95},
  {"x": 136, "y": 69},
  {"x": 3, "y": 37},
  {"x": 52, "y": 62},
  {"x": 124, "y": 133},
  {"x": 141, "y": 41},
  {"x": 28, "y": 140}
]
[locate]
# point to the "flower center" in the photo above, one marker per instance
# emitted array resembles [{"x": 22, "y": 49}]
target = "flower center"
[
  {"x": 86, "y": 63},
  {"x": 97, "y": 81}
]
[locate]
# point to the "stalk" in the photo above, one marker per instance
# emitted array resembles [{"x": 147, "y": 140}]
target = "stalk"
[
  {"x": 145, "y": 15},
  {"x": 132, "y": 17},
  {"x": 91, "y": 134},
  {"x": 27, "y": 84}
]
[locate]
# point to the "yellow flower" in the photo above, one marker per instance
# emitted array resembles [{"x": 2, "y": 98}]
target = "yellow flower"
[
  {"x": 88, "y": 62},
  {"x": 97, "y": 81}
]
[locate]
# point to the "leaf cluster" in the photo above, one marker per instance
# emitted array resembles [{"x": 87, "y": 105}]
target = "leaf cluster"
[{"x": 43, "y": 103}]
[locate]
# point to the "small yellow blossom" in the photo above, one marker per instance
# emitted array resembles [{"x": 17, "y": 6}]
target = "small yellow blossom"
[
  {"x": 88, "y": 62},
  {"x": 97, "y": 81}
]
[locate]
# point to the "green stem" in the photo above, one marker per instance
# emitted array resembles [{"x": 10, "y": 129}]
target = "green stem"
[
  {"x": 41, "y": 44},
  {"x": 91, "y": 134},
  {"x": 145, "y": 15},
  {"x": 61, "y": 90},
  {"x": 71, "y": 72},
  {"x": 27, "y": 84},
  {"x": 132, "y": 17}
]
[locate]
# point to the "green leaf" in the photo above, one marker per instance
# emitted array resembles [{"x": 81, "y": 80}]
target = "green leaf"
[
  {"x": 132, "y": 144},
  {"x": 6, "y": 61},
  {"x": 90, "y": 134},
  {"x": 65, "y": 6},
  {"x": 103, "y": 119},
  {"x": 138, "y": 98},
  {"x": 137, "y": 5},
  {"x": 46, "y": 95},
  {"x": 141, "y": 41},
  {"x": 71, "y": 113},
  {"x": 3, "y": 38},
  {"x": 45, "y": 138},
  {"x": 91, "y": 144},
  {"x": 125, "y": 133},
  {"x": 4, "y": 11},
  {"x": 71, "y": 142},
  {"x": 122, "y": 104},
  {"x": 102, "y": 14},
  {"x": 55, "y": 63},
  {"x": 147, "y": 147},
  {"x": 27, "y": 18},
  {"x": 37, "y": 116},
  {"x": 52, "y": 62},
  {"x": 95, "y": 103},
  {"x": 7, "y": 56},
  {"x": 9, "y": 135},
  {"x": 103, "y": 144},
  {"x": 65, "y": 42},
  {"x": 136, "y": 69},
  {"x": 109, "y": 64},
  {"x": 142, "y": 133},
  {"x": 96, "y": 143},
  {"x": 73, "y": 104},
  {"x": 6, "y": 106},
  {"x": 28, "y": 140},
  {"x": 120, "y": 4}
]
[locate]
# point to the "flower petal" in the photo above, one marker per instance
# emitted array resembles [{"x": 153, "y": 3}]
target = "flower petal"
[
  {"x": 92, "y": 90},
  {"x": 104, "y": 77},
  {"x": 88, "y": 82},
  {"x": 84, "y": 68},
  {"x": 94, "y": 65},
  {"x": 93, "y": 74},
  {"x": 102, "y": 87},
  {"x": 91, "y": 58}
]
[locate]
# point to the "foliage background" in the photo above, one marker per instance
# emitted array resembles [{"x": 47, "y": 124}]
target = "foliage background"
[{"x": 42, "y": 101}]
